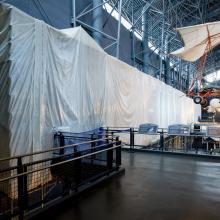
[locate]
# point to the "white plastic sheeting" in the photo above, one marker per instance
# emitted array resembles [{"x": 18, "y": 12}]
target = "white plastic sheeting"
[
  {"x": 198, "y": 39},
  {"x": 51, "y": 78}
]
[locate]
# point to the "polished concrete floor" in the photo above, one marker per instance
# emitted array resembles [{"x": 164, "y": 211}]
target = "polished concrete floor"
[{"x": 154, "y": 186}]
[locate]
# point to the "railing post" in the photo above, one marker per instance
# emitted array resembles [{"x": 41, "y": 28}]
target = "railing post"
[
  {"x": 109, "y": 157},
  {"x": 118, "y": 152},
  {"x": 25, "y": 189},
  {"x": 112, "y": 134},
  {"x": 162, "y": 140},
  {"x": 77, "y": 165},
  {"x": 131, "y": 138},
  {"x": 93, "y": 145},
  {"x": 107, "y": 132},
  {"x": 62, "y": 144},
  {"x": 22, "y": 188},
  {"x": 107, "y": 136}
]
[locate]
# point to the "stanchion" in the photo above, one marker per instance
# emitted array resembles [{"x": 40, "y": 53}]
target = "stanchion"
[
  {"x": 22, "y": 188},
  {"x": 118, "y": 152},
  {"x": 109, "y": 157},
  {"x": 131, "y": 139},
  {"x": 162, "y": 140}
]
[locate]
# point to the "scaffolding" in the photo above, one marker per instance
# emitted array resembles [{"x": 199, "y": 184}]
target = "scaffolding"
[{"x": 153, "y": 24}]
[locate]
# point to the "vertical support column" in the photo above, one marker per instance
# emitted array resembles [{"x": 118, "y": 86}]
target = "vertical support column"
[
  {"x": 97, "y": 20},
  {"x": 73, "y": 19},
  {"x": 171, "y": 76},
  {"x": 133, "y": 37},
  {"x": 167, "y": 59},
  {"x": 180, "y": 75},
  {"x": 133, "y": 47},
  {"x": 119, "y": 29},
  {"x": 162, "y": 44},
  {"x": 177, "y": 78},
  {"x": 188, "y": 76},
  {"x": 145, "y": 47},
  {"x": 174, "y": 78}
]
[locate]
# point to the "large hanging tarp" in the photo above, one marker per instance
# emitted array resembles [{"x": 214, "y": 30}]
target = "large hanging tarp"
[
  {"x": 52, "y": 78},
  {"x": 198, "y": 40}
]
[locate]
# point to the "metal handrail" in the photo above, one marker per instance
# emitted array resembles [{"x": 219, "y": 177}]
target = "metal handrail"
[
  {"x": 181, "y": 135},
  {"x": 54, "y": 149},
  {"x": 51, "y": 158},
  {"x": 110, "y": 129},
  {"x": 66, "y": 155},
  {"x": 62, "y": 162}
]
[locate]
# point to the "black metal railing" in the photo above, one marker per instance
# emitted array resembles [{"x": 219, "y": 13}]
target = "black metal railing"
[
  {"x": 33, "y": 181},
  {"x": 163, "y": 142},
  {"x": 207, "y": 118}
]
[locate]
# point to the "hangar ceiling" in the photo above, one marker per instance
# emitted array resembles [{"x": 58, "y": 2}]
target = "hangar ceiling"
[{"x": 165, "y": 16}]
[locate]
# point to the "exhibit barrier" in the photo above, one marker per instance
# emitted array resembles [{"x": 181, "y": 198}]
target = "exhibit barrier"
[
  {"x": 30, "y": 187},
  {"x": 196, "y": 142}
]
